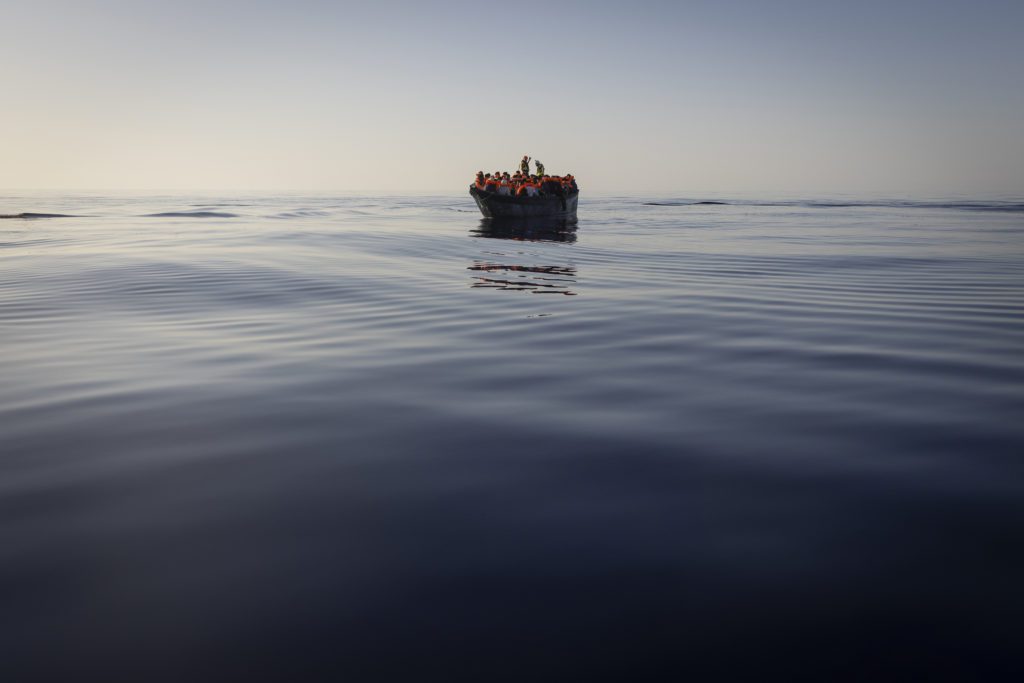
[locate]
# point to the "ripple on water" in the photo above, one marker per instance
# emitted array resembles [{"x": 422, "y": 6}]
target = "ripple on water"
[{"x": 331, "y": 430}]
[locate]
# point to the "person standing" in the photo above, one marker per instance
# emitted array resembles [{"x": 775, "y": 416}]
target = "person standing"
[
  {"x": 524, "y": 165},
  {"x": 540, "y": 167}
]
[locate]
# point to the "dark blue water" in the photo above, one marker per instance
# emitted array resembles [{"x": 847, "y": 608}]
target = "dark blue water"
[{"x": 376, "y": 439}]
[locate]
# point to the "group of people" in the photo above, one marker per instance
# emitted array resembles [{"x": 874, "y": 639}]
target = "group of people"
[{"x": 524, "y": 184}]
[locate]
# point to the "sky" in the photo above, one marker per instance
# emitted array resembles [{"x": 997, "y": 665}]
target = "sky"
[{"x": 899, "y": 98}]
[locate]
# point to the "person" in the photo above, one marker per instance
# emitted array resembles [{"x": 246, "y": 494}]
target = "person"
[
  {"x": 490, "y": 183},
  {"x": 540, "y": 168},
  {"x": 531, "y": 187},
  {"x": 524, "y": 165},
  {"x": 550, "y": 185},
  {"x": 527, "y": 188},
  {"x": 505, "y": 188},
  {"x": 480, "y": 180}
]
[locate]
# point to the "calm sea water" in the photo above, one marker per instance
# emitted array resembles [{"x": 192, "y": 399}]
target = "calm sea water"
[{"x": 284, "y": 437}]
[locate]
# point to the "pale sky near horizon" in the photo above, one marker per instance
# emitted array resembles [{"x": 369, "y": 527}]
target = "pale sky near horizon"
[{"x": 905, "y": 97}]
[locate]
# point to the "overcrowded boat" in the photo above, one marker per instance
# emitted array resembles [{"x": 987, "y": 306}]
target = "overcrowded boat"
[{"x": 526, "y": 195}]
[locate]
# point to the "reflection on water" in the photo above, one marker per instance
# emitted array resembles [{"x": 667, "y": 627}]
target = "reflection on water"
[
  {"x": 524, "y": 277},
  {"x": 536, "y": 279},
  {"x": 534, "y": 230}
]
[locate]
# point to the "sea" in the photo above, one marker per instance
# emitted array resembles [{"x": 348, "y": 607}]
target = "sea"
[{"x": 377, "y": 438}]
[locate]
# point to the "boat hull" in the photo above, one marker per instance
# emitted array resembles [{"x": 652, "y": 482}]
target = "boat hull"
[{"x": 503, "y": 206}]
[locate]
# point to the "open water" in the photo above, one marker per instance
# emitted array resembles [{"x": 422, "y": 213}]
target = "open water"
[{"x": 377, "y": 439}]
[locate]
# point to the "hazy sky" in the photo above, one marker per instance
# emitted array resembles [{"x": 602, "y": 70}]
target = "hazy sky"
[{"x": 908, "y": 97}]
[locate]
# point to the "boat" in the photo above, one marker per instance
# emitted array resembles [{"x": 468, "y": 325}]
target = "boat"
[{"x": 493, "y": 205}]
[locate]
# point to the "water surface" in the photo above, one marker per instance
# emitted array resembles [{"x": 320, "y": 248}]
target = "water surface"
[{"x": 268, "y": 437}]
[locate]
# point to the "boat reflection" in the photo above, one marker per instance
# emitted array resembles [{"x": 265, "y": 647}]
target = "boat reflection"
[
  {"x": 524, "y": 277},
  {"x": 536, "y": 279},
  {"x": 533, "y": 230}
]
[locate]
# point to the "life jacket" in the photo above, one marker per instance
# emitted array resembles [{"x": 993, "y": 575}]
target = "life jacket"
[{"x": 491, "y": 184}]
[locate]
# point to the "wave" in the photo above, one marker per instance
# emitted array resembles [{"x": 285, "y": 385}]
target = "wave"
[
  {"x": 219, "y": 205},
  {"x": 1012, "y": 207},
  {"x": 301, "y": 213},
  {"x": 192, "y": 214},
  {"x": 686, "y": 203},
  {"x": 988, "y": 206},
  {"x": 36, "y": 215}
]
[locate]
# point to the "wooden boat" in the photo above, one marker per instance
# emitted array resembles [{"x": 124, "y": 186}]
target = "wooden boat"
[{"x": 493, "y": 205}]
